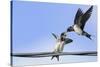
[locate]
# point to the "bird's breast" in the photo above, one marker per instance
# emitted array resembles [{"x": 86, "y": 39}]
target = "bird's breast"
[
  {"x": 77, "y": 29},
  {"x": 59, "y": 46}
]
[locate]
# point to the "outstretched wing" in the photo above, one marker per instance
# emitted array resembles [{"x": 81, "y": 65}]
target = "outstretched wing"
[
  {"x": 55, "y": 35},
  {"x": 86, "y": 16},
  {"x": 78, "y": 17},
  {"x": 68, "y": 40}
]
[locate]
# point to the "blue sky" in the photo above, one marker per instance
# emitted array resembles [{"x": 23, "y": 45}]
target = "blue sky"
[{"x": 33, "y": 23}]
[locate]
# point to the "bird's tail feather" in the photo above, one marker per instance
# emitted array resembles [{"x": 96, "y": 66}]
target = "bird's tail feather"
[
  {"x": 57, "y": 56},
  {"x": 87, "y": 35},
  {"x": 93, "y": 37}
]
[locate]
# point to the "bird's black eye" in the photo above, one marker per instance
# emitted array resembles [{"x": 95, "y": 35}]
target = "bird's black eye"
[{"x": 69, "y": 29}]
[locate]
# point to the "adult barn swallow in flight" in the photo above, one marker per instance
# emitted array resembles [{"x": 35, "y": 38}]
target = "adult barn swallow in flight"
[{"x": 80, "y": 21}]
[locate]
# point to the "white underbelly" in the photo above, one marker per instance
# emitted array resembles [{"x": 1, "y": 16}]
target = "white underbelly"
[
  {"x": 59, "y": 47},
  {"x": 77, "y": 30}
]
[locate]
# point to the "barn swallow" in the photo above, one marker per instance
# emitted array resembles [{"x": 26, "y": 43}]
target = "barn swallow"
[
  {"x": 80, "y": 21},
  {"x": 60, "y": 42}
]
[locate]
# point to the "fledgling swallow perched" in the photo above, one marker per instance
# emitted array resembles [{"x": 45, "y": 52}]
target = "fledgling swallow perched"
[{"x": 60, "y": 42}]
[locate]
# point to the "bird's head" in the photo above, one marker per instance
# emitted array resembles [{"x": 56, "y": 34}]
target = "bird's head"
[
  {"x": 63, "y": 34},
  {"x": 70, "y": 29}
]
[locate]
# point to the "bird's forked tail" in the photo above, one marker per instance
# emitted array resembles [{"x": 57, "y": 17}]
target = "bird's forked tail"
[{"x": 57, "y": 56}]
